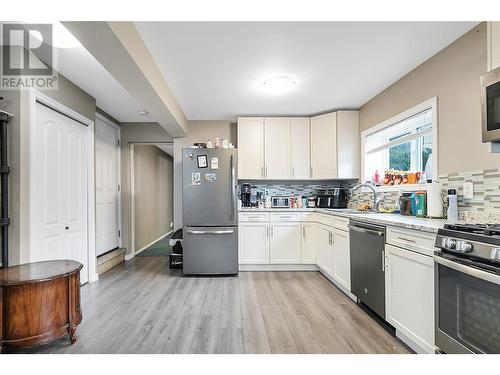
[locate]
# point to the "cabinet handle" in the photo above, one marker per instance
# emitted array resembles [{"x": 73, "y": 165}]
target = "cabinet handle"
[
  {"x": 303, "y": 231},
  {"x": 262, "y": 171},
  {"x": 407, "y": 239},
  {"x": 267, "y": 232},
  {"x": 293, "y": 171},
  {"x": 311, "y": 171},
  {"x": 272, "y": 231},
  {"x": 383, "y": 261}
]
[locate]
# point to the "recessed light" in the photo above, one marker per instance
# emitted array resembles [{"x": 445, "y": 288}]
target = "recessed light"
[
  {"x": 142, "y": 112},
  {"x": 279, "y": 85}
]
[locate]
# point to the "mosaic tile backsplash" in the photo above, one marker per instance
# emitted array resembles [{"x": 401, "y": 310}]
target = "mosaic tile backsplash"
[
  {"x": 294, "y": 189},
  {"x": 484, "y": 206}
]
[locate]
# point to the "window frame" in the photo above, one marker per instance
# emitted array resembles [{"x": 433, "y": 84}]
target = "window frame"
[{"x": 428, "y": 104}]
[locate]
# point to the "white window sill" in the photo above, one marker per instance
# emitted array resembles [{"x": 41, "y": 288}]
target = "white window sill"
[{"x": 403, "y": 188}]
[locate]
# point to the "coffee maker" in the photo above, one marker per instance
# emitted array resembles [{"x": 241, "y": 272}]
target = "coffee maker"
[{"x": 246, "y": 192}]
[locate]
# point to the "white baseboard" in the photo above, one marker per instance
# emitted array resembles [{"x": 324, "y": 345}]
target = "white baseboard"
[
  {"x": 131, "y": 255},
  {"x": 338, "y": 285},
  {"x": 417, "y": 348},
  {"x": 278, "y": 267},
  {"x": 93, "y": 278}
]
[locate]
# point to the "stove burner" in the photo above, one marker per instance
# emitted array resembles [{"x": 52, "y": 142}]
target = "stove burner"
[{"x": 490, "y": 230}]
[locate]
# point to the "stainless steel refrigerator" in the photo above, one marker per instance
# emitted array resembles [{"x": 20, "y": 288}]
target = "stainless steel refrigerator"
[{"x": 209, "y": 211}]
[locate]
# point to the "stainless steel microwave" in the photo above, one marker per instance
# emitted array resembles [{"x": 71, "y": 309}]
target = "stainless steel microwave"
[{"x": 490, "y": 105}]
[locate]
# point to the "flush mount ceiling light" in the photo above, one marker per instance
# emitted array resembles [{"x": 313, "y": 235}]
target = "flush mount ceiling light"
[
  {"x": 279, "y": 85},
  {"x": 142, "y": 112},
  {"x": 61, "y": 37}
]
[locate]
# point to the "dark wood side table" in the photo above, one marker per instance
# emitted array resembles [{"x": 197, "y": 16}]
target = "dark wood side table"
[{"x": 39, "y": 302}]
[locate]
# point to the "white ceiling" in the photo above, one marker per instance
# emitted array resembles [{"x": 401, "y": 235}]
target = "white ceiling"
[
  {"x": 80, "y": 67},
  {"x": 216, "y": 69}
]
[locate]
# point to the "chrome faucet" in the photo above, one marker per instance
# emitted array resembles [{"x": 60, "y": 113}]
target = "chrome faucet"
[{"x": 376, "y": 201}]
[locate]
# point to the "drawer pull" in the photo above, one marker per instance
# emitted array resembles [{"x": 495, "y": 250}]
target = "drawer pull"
[{"x": 407, "y": 239}]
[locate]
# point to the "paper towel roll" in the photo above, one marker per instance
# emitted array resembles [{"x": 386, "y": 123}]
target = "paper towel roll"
[{"x": 434, "y": 200}]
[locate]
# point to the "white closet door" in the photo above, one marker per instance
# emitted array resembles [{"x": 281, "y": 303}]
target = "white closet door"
[
  {"x": 107, "y": 195},
  {"x": 60, "y": 189}
]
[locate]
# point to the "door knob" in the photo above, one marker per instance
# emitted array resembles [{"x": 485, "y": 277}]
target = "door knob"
[{"x": 66, "y": 227}]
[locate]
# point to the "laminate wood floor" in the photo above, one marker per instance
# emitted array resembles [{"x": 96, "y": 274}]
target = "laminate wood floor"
[{"x": 141, "y": 306}]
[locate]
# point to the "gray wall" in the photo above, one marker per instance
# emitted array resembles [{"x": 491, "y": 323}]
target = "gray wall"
[
  {"x": 453, "y": 76},
  {"x": 198, "y": 131},
  {"x": 134, "y": 132},
  {"x": 153, "y": 194}
]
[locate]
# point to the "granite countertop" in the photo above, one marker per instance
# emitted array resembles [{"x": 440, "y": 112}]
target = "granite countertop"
[{"x": 409, "y": 222}]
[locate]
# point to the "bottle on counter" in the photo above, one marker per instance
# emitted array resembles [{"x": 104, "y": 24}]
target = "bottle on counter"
[
  {"x": 210, "y": 144},
  {"x": 299, "y": 202},
  {"x": 421, "y": 201},
  {"x": 452, "y": 205},
  {"x": 268, "y": 200}
]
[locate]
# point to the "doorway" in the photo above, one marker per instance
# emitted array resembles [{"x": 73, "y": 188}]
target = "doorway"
[
  {"x": 107, "y": 185},
  {"x": 151, "y": 197}
]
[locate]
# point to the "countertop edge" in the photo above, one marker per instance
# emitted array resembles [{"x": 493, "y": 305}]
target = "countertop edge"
[{"x": 408, "y": 222}]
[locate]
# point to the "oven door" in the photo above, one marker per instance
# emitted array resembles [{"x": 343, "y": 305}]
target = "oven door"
[
  {"x": 490, "y": 105},
  {"x": 467, "y": 306}
]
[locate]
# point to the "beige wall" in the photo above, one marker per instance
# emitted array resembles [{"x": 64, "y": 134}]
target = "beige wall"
[
  {"x": 453, "y": 76},
  {"x": 153, "y": 194},
  {"x": 198, "y": 131},
  {"x": 134, "y": 132}
]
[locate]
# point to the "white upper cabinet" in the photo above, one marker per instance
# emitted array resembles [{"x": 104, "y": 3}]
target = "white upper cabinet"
[
  {"x": 300, "y": 146},
  {"x": 283, "y": 148},
  {"x": 493, "y": 41},
  {"x": 250, "y": 148},
  {"x": 348, "y": 149},
  {"x": 324, "y": 146},
  {"x": 277, "y": 148}
]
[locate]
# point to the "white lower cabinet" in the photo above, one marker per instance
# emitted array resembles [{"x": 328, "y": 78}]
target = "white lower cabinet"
[
  {"x": 342, "y": 258},
  {"x": 285, "y": 244},
  {"x": 325, "y": 249},
  {"x": 409, "y": 283},
  {"x": 309, "y": 243},
  {"x": 253, "y": 243}
]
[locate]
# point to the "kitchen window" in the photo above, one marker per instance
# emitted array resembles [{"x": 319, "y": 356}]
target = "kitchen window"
[{"x": 405, "y": 143}]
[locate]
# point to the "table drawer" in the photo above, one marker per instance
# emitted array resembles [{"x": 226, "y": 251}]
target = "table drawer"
[
  {"x": 421, "y": 242},
  {"x": 253, "y": 216},
  {"x": 285, "y": 216}
]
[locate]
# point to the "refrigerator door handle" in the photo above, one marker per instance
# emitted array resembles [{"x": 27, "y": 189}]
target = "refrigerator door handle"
[
  {"x": 210, "y": 231},
  {"x": 232, "y": 189}
]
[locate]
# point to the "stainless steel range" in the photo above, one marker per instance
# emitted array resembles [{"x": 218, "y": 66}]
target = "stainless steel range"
[{"x": 467, "y": 282}]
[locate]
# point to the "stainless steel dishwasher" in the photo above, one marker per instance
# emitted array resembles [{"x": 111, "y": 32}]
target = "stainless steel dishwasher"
[{"x": 368, "y": 264}]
